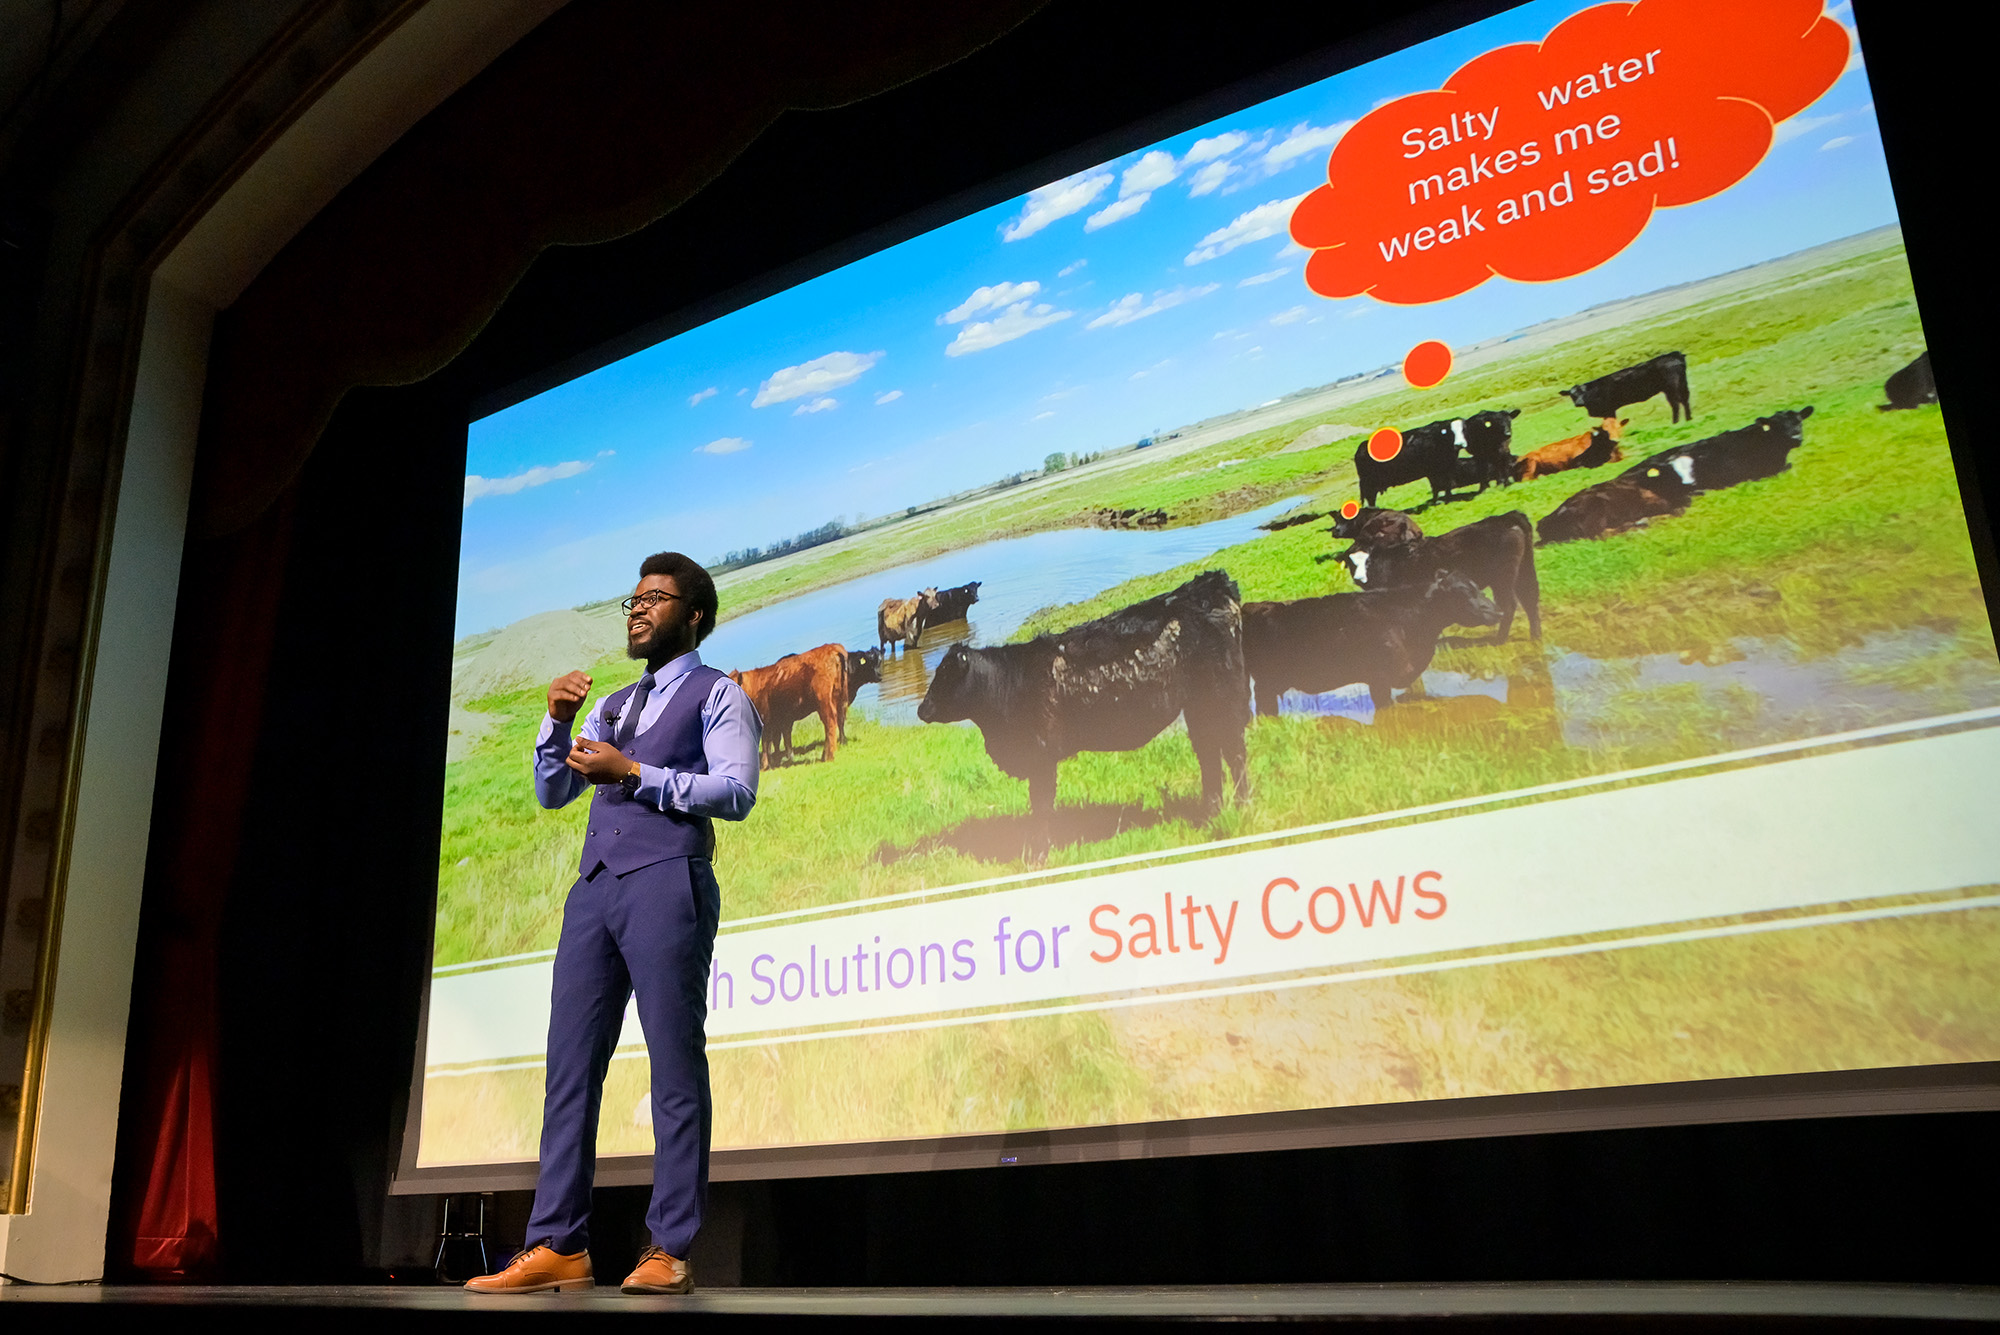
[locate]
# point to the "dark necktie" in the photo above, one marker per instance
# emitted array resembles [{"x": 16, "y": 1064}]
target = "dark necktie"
[{"x": 628, "y": 726}]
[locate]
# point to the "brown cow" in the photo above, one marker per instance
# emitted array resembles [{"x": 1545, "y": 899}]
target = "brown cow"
[
  {"x": 904, "y": 619},
  {"x": 796, "y": 687},
  {"x": 1593, "y": 449},
  {"x": 1623, "y": 502}
]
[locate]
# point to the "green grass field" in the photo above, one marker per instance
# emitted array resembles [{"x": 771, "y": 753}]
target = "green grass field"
[
  {"x": 1863, "y": 536},
  {"x": 1860, "y": 545}
]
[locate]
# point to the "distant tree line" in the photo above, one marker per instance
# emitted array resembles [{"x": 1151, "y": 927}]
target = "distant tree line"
[
  {"x": 813, "y": 537},
  {"x": 836, "y": 528},
  {"x": 1058, "y": 461}
]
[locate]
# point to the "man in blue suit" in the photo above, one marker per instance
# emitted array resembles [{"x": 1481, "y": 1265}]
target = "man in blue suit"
[{"x": 664, "y": 757}]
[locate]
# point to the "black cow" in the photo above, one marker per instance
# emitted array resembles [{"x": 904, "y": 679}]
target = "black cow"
[
  {"x": 1911, "y": 387},
  {"x": 1431, "y": 451},
  {"x": 1496, "y": 553},
  {"x": 1626, "y": 501},
  {"x": 1761, "y": 449},
  {"x": 1384, "y": 640},
  {"x": 1377, "y": 528},
  {"x": 953, "y": 604},
  {"x": 1665, "y": 374},
  {"x": 863, "y": 666},
  {"x": 1112, "y": 684}
]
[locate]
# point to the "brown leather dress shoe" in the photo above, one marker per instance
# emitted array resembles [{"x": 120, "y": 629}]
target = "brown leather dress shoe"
[
  {"x": 538, "y": 1270},
  {"x": 659, "y": 1273}
]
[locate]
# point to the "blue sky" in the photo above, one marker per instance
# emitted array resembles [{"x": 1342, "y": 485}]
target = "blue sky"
[{"x": 1155, "y": 290}]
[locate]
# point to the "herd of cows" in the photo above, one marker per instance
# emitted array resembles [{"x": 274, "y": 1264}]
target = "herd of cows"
[{"x": 1202, "y": 654}]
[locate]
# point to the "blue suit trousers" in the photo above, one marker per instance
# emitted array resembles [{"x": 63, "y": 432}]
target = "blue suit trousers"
[{"x": 649, "y": 933}]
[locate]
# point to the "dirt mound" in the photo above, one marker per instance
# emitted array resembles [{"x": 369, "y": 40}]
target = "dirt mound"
[
  {"x": 1101, "y": 516},
  {"x": 1324, "y": 434},
  {"x": 535, "y": 650}
]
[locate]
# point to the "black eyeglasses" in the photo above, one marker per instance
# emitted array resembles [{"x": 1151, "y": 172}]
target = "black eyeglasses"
[{"x": 650, "y": 599}]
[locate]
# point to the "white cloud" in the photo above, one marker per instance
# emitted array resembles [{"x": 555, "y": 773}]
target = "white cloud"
[
  {"x": 1292, "y": 316},
  {"x": 1305, "y": 138},
  {"x": 1266, "y": 220},
  {"x": 816, "y": 406},
  {"x": 1268, "y": 276},
  {"x": 1209, "y": 179},
  {"x": 477, "y": 487},
  {"x": 996, "y": 297},
  {"x": 606, "y": 454},
  {"x": 699, "y": 395},
  {"x": 727, "y": 445},
  {"x": 1217, "y": 146},
  {"x": 1017, "y": 320},
  {"x": 1786, "y": 131},
  {"x": 1134, "y": 306},
  {"x": 1112, "y": 212},
  {"x": 889, "y": 397},
  {"x": 1046, "y": 412},
  {"x": 1069, "y": 269},
  {"x": 1838, "y": 141},
  {"x": 1148, "y": 174},
  {"x": 1057, "y": 199},
  {"x": 817, "y": 376}
]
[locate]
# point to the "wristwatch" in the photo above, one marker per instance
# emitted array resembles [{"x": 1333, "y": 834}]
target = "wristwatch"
[{"x": 630, "y": 783}]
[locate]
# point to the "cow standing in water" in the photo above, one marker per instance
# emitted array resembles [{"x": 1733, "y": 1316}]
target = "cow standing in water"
[
  {"x": 904, "y": 619},
  {"x": 1112, "y": 684}
]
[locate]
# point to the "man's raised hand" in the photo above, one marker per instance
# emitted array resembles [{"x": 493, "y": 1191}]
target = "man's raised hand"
[{"x": 567, "y": 694}]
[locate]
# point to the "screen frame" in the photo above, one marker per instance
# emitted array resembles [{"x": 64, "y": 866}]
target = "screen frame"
[{"x": 1888, "y": 1091}]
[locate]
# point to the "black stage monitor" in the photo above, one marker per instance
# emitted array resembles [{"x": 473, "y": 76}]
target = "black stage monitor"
[{"x": 1434, "y": 603}]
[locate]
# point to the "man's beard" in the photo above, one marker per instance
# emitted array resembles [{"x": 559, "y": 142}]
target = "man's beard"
[{"x": 654, "y": 645}]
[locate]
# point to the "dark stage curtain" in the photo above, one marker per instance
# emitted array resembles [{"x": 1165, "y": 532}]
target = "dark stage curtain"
[{"x": 603, "y": 120}]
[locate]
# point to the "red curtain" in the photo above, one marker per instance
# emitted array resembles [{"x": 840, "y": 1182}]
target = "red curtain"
[
  {"x": 604, "y": 119},
  {"x": 166, "y": 1221}
]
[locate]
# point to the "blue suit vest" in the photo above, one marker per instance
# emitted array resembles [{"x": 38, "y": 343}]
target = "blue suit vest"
[{"x": 626, "y": 834}]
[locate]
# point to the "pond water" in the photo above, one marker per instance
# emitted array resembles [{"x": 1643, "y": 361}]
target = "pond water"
[
  {"x": 1758, "y": 688},
  {"x": 1746, "y": 691},
  {"x": 1354, "y": 702},
  {"x": 1019, "y": 577}
]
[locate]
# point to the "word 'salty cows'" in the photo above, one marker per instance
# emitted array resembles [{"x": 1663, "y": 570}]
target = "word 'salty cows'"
[
  {"x": 1384, "y": 640},
  {"x": 1112, "y": 684},
  {"x": 797, "y": 687},
  {"x": 1431, "y": 452},
  {"x": 1911, "y": 387},
  {"x": 1762, "y": 449},
  {"x": 1497, "y": 553},
  {"x": 1665, "y": 374}
]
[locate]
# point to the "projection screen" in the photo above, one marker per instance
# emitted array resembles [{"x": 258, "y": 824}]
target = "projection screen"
[{"x": 1441, "y": 587}]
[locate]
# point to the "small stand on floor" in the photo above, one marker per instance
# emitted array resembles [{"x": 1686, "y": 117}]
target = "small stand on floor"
[{"x": 459, "y": 1251}]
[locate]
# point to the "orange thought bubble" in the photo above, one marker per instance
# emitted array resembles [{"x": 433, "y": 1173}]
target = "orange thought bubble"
[
  {"x": 1542, "y": 161},
  {"x": 1385, "y": 444},
  {"x": 1351, "y": 509},
  {"x": 1427, "y": 364}
]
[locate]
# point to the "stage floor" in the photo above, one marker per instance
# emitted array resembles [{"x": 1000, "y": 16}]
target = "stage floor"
[{"x": 1660, "y": 1305}]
